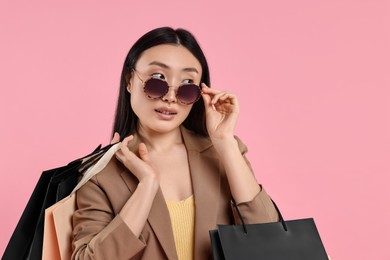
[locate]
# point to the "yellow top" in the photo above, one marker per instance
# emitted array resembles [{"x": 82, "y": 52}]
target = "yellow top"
[{"x": 183, "y": 223}]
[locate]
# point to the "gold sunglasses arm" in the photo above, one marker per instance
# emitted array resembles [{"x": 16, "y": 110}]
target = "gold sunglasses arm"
[{"x": 136, "y": 73}]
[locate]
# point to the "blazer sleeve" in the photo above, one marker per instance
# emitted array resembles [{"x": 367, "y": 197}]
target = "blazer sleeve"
[
  {"x": 260, "y": 209},
  {"x": 97, "y": 232}
]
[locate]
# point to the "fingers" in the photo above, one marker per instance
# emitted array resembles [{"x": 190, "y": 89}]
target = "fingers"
[
  {"x": 143, "y": 152},
  {"x": 210, "y": 91},
  {"x": 213, "y": 96},
  {"x": 124, "y": 154},
  {"x": 220, "y": 96},
  {"x": 126, "y": 141},
  {"x": 116, "y": 138},
  {"x": 130, "y": 159},
  {"x": 206, "y": 98},
  {"x": 139, "y": 166}
]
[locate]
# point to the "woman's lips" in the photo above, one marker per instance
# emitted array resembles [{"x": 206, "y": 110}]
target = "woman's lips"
[{"x": 165, "y": 113}]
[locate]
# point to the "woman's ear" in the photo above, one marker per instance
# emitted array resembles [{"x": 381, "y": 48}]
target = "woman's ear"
[{"x": 128, "y": 81}]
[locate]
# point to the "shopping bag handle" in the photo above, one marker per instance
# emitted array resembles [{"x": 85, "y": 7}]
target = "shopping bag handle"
[
  {"x": 281, "y": 219},
  {"x": 97, "y": 164},
  {"x": 90, "y": 159}
]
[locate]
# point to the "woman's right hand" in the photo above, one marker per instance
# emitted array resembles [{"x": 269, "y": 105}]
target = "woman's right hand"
[
  {"x": 137, "y": 208},
  {"x": 140, "y": 166}
]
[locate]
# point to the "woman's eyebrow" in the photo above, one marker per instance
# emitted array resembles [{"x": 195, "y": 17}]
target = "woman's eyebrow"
[
  {"x": 191, "y": 70},
  {"x": 160, "y": 64},
  {"x": 165, "y": 66}
]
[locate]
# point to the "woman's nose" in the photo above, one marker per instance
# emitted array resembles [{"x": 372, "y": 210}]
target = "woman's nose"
[{"x": 170, "y": 96}]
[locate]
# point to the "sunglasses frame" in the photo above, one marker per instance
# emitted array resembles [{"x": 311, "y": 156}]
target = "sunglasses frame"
[{"x": 184, "y": 84}]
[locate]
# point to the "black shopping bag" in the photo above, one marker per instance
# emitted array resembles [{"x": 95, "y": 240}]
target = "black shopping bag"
[
  {"x": 53, "y": 185},
  {"x": 284, "y": 240}
]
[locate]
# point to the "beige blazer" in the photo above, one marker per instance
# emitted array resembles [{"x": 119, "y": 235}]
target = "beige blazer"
[{"x": 100, "y": 233}]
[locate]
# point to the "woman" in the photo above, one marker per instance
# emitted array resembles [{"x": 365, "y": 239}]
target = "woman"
[{"x": 179, "y": 164}]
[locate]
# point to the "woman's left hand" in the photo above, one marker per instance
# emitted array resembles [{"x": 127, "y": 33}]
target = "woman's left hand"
[{"x": 221, "y": 112}]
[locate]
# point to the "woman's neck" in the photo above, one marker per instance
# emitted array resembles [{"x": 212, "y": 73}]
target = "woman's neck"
[{"x": 160, "y": 142}]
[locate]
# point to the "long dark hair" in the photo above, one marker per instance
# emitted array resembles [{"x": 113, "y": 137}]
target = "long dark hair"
[{"x": 125, "y": 119}]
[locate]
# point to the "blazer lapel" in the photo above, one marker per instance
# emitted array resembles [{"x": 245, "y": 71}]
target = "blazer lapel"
[{"x": 205, "y": 174}]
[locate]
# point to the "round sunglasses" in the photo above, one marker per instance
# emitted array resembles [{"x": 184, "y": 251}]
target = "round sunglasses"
[{"x": 187, "y": 93}]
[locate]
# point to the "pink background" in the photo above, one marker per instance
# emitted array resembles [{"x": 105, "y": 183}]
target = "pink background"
[{"x": 312, "y": 78}]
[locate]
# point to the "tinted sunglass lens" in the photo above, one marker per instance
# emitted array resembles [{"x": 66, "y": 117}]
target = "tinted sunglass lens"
[
  {"x": 155, "y": 88},
  {"x": 188, "y": 94}
]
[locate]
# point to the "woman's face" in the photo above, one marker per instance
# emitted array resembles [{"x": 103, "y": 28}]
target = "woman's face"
[{"x": 174, "y": 64}]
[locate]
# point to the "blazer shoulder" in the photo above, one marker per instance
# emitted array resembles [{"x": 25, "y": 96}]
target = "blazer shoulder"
[
  {"x": 110, "y": 183},
  {"x": 110, "y": 174},
  {"x": 241, "y": 145},
  {"x": 202, "y": 144}
]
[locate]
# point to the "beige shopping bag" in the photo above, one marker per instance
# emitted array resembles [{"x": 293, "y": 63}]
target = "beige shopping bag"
[
  {"x": 50, "y": 248},
  {"x": 57, "y": 236},
  {"x": 58, "y": 230},
  {"x": 62, "y": 216}
]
